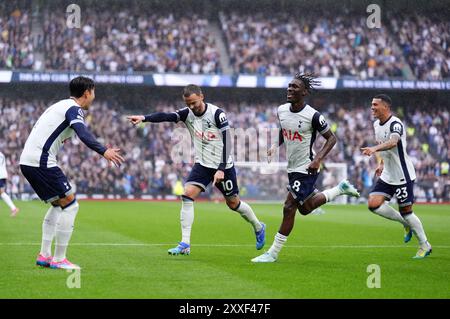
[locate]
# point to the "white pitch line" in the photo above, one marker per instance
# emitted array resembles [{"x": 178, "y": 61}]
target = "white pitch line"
[{"x": 225, "y": 245}]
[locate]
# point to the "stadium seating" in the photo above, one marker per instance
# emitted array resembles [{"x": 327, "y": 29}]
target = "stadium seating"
[
  {"x": 16, "y": 47},
  {"x": 332, "y": 45},
  {"x": 125, "y": 37},
  {"x": 134, "y": 36}
]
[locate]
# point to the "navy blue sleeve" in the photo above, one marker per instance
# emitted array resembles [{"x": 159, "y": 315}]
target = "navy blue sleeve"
[
  {"x": 222, "y": 124},
  {"x": 396, "y": 128},
  {"x": 87, "y": 138},
  {"x": 158, "y": 117},
  {"x": 75, "y": 115},
  {"x": 319, "y": 123},
  {"x": 221, "y": 120},
  {"x": 183, "y": 114},
  {"x": 161, "y": 117}
]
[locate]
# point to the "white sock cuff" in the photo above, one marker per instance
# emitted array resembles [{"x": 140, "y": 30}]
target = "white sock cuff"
[
  {"x": 331, "y": 193},
  {"x": 281, "y": 236}
]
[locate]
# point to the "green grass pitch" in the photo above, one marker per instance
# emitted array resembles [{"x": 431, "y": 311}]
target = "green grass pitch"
[{"x": 122, "y": 248}]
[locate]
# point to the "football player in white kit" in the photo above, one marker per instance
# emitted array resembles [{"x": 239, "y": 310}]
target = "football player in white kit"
[
  {"x": 209, "y": 130},
  {"x": 38, "y": 164},
  {"x": 4, "y": 195},
  {"x": 299, "y": 124},
  {"x": 396, "y": 172}
]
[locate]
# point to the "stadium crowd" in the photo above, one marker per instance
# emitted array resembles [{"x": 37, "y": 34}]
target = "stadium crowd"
[
  {"x": 134, "y": 36},
  {"x": 126, "y": 37},
  {"x": 425, "y": 41},
  {"x": 332, "y": 45},
  {"x": 16, "y": 45},
  {"x": 151, "y": 151}
]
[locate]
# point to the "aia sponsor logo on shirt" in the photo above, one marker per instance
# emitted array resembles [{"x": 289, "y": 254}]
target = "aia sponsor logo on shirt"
[
  {"x": 205, "y": 136},
  {"x": 292, "y": 136}
]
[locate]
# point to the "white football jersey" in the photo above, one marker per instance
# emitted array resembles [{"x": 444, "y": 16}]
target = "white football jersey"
[
  {"x": 49, "y": 133},
  {"x": 206, "y": 133},
  {"x": 398, "y": 168},
  {"x": 299, "y": 133},
  {"x": 3, "y": 172}
]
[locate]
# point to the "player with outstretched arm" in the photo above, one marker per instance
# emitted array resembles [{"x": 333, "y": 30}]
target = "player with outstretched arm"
[{"x": 209, "y": 130}]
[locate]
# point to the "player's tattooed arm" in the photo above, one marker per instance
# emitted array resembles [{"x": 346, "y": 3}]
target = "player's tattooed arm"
[
  {"x": 391, "y": 143},
  {"x": 331, "y": 141}
]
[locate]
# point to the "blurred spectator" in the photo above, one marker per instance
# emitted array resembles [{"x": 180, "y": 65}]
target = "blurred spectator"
[
  {"x": 331, "y": 44},
  {"x": 16, "y": 45},
  {"x": 130, "y": 36},
  {"x": 425, "y": 41}
]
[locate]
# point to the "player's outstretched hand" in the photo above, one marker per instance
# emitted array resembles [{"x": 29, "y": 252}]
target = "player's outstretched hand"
[
  {"x": 218, "y": 177},
  {"x": 379, "y": 170},
  {"x": 136, "y": 119},
  {"x": 369, "y": 151},
  {"x": 112, "y": 155}
]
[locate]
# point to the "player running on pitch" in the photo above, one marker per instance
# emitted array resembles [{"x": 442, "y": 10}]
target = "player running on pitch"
[
  {"x": 299, "y": 124},
  {"x": 209, "y": 129},
  {"x": 396, "y": 172},
  {"x": 39, "y": 166},
  {"x": 4, "y": 195}
]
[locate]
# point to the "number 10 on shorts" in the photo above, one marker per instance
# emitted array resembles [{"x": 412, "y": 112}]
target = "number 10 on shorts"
[{"x": 227, "y": 185}]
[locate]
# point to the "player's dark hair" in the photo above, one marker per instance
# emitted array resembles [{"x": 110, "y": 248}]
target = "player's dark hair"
[
  {"x": 309, "y": 80},
  {"x": 79, "y": 85},
  {"x": 384, "y": 98},
  {"x": 191, "y": 89}
]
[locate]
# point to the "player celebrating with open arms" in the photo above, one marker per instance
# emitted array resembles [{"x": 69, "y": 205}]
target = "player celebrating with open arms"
[
  {"x": 209, "y": 130},
  {"x": 38, "y": 164},
  {"x": 396, "y": 172},
  {"x": 299, "y": 124}
]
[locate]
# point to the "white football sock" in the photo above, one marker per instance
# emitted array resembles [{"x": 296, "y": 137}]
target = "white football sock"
[
  {"x": 388, "y": 212},
  {"x": 49, "y": 229},
  {"x": 247, "y": 213},
  {"x": 186, "y": 219},
  {"x": 64, "y": 229},
  {"x": 417, "y": 228},
  {"x": 332, "y": 193},
  {"x": 8, "y": 201},
  {"x": 278, "y": 243}
]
